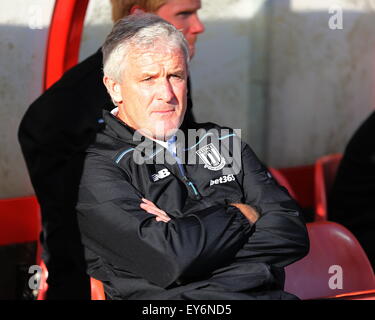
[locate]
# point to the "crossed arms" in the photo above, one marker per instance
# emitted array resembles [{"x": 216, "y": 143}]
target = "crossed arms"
[{"x": 131, "y": 232}]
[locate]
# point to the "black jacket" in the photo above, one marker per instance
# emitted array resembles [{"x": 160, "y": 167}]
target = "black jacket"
[{"x": 208, "y": 250}]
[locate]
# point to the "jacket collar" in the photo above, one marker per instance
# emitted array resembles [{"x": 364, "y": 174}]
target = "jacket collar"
[{"x": 118, "y": 129}]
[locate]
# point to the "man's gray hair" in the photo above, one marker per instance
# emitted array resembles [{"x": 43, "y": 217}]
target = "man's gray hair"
[{"x": 138, "y": 31}]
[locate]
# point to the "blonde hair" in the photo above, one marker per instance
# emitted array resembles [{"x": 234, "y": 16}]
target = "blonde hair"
[{"x": 121, "y": 8}]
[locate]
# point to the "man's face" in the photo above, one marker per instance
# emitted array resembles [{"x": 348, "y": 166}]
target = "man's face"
[
  {"x": 183, "y": 14},
  {"x": 153, "y": 90}
]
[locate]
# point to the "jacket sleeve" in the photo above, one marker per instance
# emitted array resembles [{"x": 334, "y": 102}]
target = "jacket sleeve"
[
  {"x": 280, "y": 235},
  {"x": 114, "y": 226}
]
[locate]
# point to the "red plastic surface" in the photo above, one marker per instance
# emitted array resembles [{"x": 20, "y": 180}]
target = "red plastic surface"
[
  {"x": 283, "y": 181},
  {"x": 43, "y": 286},
  {"x": 64, "y": 39},
  {"x": 19, "y": 220},
  {"x": 330, "y": 245},
  {"x": 301, "y": 180},
  {"x": 358, "y": 295},
  {"x": 325, "y": 173}
]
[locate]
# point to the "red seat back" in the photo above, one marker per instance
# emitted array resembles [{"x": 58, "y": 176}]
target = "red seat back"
[
  {"x": 325, "y": 173},
  {"x": 19, "y": 220},
  {"x": 20, "y": 226},
  {"x": 282, "y": 180},
  {"x": 301, "y": 179},
  {"x": 330, "y": 245}
]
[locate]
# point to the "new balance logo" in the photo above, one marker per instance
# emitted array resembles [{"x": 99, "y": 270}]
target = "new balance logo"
[{"x": 160, "y": 175}]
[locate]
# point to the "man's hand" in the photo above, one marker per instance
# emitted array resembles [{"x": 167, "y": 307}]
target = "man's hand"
[
  {"x": 150, "y": 207},
  {"x": 249, "y": 212}
]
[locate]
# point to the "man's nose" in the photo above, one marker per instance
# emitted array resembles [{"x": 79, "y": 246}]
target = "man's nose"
[
  {"x": 197, "y": 26},
  {"x": 166, "y": 92}
]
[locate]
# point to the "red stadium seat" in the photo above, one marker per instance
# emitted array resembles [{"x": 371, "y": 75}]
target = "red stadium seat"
[
  {"x": 333, "y": 249},
  {"x": 20, "y": 220},
  {"x": 20, "y": 226},
  {"x": 325, "y": 173},
  {"x": 282, "y": 180},
  {"x": 301, "y": 181}
]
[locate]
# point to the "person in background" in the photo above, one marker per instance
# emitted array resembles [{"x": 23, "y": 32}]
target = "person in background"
[
  {"x": 55, "y": 132},
  {"x": 351, "y": 199}
]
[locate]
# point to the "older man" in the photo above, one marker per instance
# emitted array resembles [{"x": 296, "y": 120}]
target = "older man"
[
  {"x": 170, "y": 229},
  {"x": 53, "y": 142}
]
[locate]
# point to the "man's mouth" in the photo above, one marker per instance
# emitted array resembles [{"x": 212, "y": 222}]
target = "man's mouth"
[{"x": 164, "y": 112}]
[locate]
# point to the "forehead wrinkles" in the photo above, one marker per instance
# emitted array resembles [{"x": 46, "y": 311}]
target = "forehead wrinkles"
[{"x": 155, "y": 56}]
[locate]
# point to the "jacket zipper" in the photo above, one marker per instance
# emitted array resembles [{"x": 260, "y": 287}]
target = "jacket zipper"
[{"x": 189, "y": 184}]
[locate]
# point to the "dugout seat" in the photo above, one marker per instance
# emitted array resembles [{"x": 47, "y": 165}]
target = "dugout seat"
[
  {"x": 335, "y": 255},
  {"x": 299, "y": 181},
  {"x": 20, "y": 227},
  {"x": 19, "y": 220},
  {"x": 325, "y": 173},
  {"x": 282, "y": 180}
]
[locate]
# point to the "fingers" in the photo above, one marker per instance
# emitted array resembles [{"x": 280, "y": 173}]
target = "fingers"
[
  {"x": 249, "y": 212},
  {"x": 159, "y": 215},
  {"x": 151, "y": 208},
  {"x": 151, "y": 205},
  {"x": 148, "y": 201}
]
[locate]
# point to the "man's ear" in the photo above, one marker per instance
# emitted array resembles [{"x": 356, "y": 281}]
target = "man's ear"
[
  {"x": 137, "y": 9},
  {"x": 113, "y": 88}
]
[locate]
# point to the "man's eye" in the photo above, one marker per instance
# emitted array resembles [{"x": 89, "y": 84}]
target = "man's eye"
[
  {"x": 177, "y": 76},
  {"x": 147, "y": 79},
  {"x": 185, "y": 14}
]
